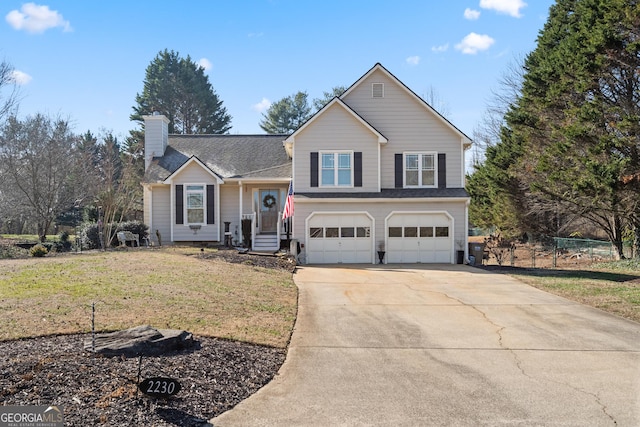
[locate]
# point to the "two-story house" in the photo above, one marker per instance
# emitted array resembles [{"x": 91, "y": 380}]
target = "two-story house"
[{"x": 375, "y": 169}]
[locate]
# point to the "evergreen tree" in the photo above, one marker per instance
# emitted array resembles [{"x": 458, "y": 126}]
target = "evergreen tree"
[
  {"x": 336, "y": 91},
  {"x": 576, "y": 120},
  {"x": 178, "y": 88},
  {"x": 287, "y": 114}
]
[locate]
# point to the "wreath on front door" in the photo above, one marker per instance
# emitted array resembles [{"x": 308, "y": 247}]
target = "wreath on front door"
[{"x": 269, "y": 201}]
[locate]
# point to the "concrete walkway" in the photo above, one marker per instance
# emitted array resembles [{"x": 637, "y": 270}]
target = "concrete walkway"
[{"x": 446, "y": 345}]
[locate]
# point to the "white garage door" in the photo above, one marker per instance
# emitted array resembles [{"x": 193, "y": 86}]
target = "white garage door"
[
  {"x": 419, "y": 238},
  {"x": 339, "y": 238}
]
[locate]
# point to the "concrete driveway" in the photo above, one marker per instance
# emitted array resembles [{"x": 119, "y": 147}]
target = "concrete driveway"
[{"x": 446, "y": 345}]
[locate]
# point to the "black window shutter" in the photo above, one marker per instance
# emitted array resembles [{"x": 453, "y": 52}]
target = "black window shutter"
[
  {"x": 211, "y": 194},
  {"x": 179, "y": 204},
  {"x": 399, "y": 171},
  {"x": 442, "y": 170},
  {"x": 314, "y": 169},
  {"x": 357, "y": 169}
]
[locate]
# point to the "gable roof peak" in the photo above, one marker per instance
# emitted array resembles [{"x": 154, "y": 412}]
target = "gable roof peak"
[
  {"x": 378, "y": 66},
  {"x": 335, "y": 101}
]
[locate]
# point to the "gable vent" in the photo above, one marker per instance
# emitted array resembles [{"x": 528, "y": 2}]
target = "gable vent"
[{"x": 377, "y": 90}]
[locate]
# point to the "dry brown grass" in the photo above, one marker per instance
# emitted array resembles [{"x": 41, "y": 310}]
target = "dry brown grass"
[
  {"x": 612, "y": 287},
  {"x": 173, "y": 288}
]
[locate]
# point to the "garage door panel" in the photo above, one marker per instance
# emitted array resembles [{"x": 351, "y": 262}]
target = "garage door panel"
[
  {"x": 418, "y": 241},
  {"x": 343, "y": 238}
]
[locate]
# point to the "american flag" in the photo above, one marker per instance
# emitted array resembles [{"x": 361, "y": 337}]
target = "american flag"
[{"x": 288, "y": 206}]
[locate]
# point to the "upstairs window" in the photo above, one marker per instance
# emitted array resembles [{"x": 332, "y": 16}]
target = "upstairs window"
[
  {"x": 419, "y": 169},
  {"x": 336, "y": 169},
  {"x": 194, "y": 196}
]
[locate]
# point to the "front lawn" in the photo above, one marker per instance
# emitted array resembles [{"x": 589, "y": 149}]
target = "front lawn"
[
  {"x": 613, "y": 286},
  {"x": 175, "y": 288}
]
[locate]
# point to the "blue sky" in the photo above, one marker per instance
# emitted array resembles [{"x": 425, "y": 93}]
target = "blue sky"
[{"x": 86, "y": 60}]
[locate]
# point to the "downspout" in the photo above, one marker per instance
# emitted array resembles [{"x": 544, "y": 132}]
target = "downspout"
[{"x": 240, "y": 236}]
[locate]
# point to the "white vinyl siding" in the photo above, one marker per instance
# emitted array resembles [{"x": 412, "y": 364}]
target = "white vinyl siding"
[
  {"x": 229, "y": 209},
  {"x": 193, "y": 174},
  {"x": 408, "y": 125},
  {"x": 333, "y": 131},
  {"x": 161, "y": 211}
]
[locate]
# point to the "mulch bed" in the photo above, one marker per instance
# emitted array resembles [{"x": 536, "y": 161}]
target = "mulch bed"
[{"x": 93, "y": 390}]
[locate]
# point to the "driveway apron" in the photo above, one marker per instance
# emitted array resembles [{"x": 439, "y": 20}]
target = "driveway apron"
[{"x": 446, "y": 345}]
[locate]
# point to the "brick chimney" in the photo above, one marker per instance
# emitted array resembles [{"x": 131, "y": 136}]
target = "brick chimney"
[{"x": 156, "y": 134}]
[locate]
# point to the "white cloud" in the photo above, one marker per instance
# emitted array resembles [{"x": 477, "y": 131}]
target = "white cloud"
[
  {"x": 20, "y": 78},
  {"x": 413, "y": 60},
  {"x": 441, "y": 48},
  {"x": 255, "y": 35},
  {"x": 261, "y": 106},
  {"x": 473, "y": 43},
  {"x": 471, "y": 14},
  {"x": 205, "y": 63},
  {"x": 36, "y": 19},
  {"x": 508, "y": 7}
]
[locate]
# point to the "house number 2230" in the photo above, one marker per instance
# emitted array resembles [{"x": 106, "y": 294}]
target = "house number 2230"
[{"x": 159, "y": 387}]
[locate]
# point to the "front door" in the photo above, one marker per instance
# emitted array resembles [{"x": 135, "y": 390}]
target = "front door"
[{"x": 268, "y": 208}]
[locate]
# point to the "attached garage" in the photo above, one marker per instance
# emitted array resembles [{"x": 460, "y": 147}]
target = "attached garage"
[
  {"x": 419, "y": 237},
  {"x": 339, "y": 238}
]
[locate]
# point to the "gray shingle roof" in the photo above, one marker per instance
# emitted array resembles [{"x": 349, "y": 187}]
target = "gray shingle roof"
[
  {"x": 392, "y": 193},
  {"x": 228, "y": 156}
]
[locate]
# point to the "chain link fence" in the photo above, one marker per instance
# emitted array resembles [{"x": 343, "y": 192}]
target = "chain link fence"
[{"x": 558, "y": 253}]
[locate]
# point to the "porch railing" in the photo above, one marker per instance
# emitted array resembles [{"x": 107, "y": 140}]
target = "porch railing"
[{"x": 252, "y": 217}]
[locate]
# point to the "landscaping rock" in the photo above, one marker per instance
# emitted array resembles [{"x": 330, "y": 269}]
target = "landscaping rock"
[{"x": 139, "y": 341}]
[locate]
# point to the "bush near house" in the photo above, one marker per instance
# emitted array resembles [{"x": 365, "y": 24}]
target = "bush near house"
[{"x": 90, "y": 235}]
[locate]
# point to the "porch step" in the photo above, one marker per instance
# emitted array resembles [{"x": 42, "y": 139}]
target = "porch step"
[{"x": 266, "y": 242}]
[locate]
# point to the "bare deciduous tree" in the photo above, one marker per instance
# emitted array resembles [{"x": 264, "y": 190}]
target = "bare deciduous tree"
[{"x": 38, "y": 158}]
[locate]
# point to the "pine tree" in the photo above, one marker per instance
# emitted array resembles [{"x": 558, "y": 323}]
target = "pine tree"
[{"x": 178, "y": 88}]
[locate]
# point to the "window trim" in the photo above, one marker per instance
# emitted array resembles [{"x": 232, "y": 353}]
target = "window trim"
[
  {"x": 186, "y": 192},
  {"x": 336, "y": 169},
  {"x": 420, "y": 154}
]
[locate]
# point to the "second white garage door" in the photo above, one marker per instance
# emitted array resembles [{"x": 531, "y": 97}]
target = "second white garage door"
[
  {"x": 420, "y": 238},
  {"x": 339, "y": 238}
]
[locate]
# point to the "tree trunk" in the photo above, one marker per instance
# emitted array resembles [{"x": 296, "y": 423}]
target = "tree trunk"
[{"x": 617, "y": 240}]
